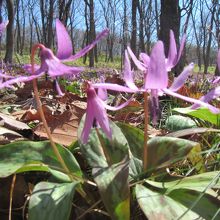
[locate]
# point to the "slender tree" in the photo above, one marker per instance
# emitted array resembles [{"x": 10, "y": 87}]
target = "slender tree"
[{"x": 10, "y": 36}]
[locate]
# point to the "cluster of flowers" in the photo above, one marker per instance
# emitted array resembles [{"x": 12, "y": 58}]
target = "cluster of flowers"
[{"x": 155, "y": 70}]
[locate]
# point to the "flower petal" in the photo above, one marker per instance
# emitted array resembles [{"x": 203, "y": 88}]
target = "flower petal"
[
  {"x": 128, "y": 73},
  {"x": 88, "y": 47},
  {"x": 59, "y": 91},
  {"x": 192, "y": 100},
  {"x": 19, "y": 79},
  {"x": 101, "y": 116},
  {"x": 172, "y": 54},
  {"x": 180, "y": 80},
  {"x": 213, "y": 94},
  {"x": 116, "y": 108},
  {"x": 56, "y": 68},
  {"x": 102, "y": 92},
  {"x": 145, "y": 58},
  {"x": 139, "y": 64},
  {"x": 157, "y": 77},
  {"x": 114, "y": 87},
  {"x": 88, "y": 123},
  {"x": 64, "y": 43}
]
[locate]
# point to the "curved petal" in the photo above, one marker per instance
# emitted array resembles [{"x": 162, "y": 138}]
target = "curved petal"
[
  {"x": 128, "y": 73},
  {"x": 192, "y": 100},
  {"x": 217, "y": 80},
  {"x": 101, "y": 116},
  {"x": 172, "y": 54},
  {"x": 180, "y": 80},
  {"x": 102, "y": 92},
  {"x": 27, "y": 67},
  {"x": 88, "y": 47},
  {"x": 64, "y": 43},
  {"x": 114, "y": 87},
  {"x": 145, "y": 58},
  {"x": 116, "y": 108},
  {"x": 213, "y": 94},
  {"x": 59, "y": 91},
  {"x": 56, "y": 68},
  {"x": 19, "y": 79},
  {"x": 182, "y": 43},
  {"x": 88, "y": 123},
  {"x": 157, "y": 77},
  {"x": 139, "y": 64}
]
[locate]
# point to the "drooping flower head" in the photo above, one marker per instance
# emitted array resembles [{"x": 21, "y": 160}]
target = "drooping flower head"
[
  {"x": 96, "y": 114},
  {"x": 53, "y": 64},
  {"x": 155, "y": 68}
]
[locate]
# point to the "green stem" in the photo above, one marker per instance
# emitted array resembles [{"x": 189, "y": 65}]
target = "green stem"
[{"x": 145, "y": 130}]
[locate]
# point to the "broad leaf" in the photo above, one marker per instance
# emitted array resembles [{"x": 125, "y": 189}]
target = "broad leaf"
[
  {"x": 51, "y": 201},
  {"x": 163, "y": 151},
  {"x": 205, "y": 205},
  {"x": 201, "y": 113},
  {"x": 178, "y": 122},
  {"x": 114, "y": 189},
  {"x": 30, "y": 156},
  {"x": 158, "y": 206},
  {"x": 197, "y": 182}
]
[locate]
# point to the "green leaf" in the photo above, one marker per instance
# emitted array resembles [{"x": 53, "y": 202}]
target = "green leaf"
[
  {"x": 30, "y": 156},
  {"x": 51, "y": 201},
  {"x": 163, "y": 151},
  {"x": 158, "y": 206},
  {"x": 114, "y": 189},
  {"x": 178, "y": 122},
  {"x": 135, "y": 138},
  {"x": 196, "y": 159},
  {"x": 201, "y": 113},
  {"x": 205, "y": 205},
  {"x": 116, "y": 149},
  {"x": 196, "y": 182}
]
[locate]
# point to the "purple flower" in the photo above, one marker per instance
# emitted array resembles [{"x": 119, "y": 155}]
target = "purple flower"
[
  {"x": 51, "y": 64},
  {"x": 3, "y": 26},
  {"x": 96, "y": 110},
  {"x": 155, "y": 69}
]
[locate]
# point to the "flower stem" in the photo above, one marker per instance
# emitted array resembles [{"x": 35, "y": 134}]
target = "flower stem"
[
  {"x": 145, "y": 130},
  {"x": 41, "y": 112}
]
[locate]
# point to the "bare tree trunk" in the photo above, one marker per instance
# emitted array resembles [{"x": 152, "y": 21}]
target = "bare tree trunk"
[
  {"x": 92, "y": 52},
  {"x": 50, "y": 25},
  {"x": 10, "y": 36},
  {"x": 134, "y": 26},
  {"x": 169, "y": 19},
  {"x": 141, "y": 26}
]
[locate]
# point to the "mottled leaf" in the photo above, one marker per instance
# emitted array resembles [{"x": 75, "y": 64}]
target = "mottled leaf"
[
  {"x": 178, "y": 122},
  {"x": 201, "y": 113},
  {"x": 158, "y": 206},
  {"x": 114, "y": 189},
  {"x": 51, "y": 201},
  {"x": 30, "y": 156},
  {"x": 163, "y": 151}
]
